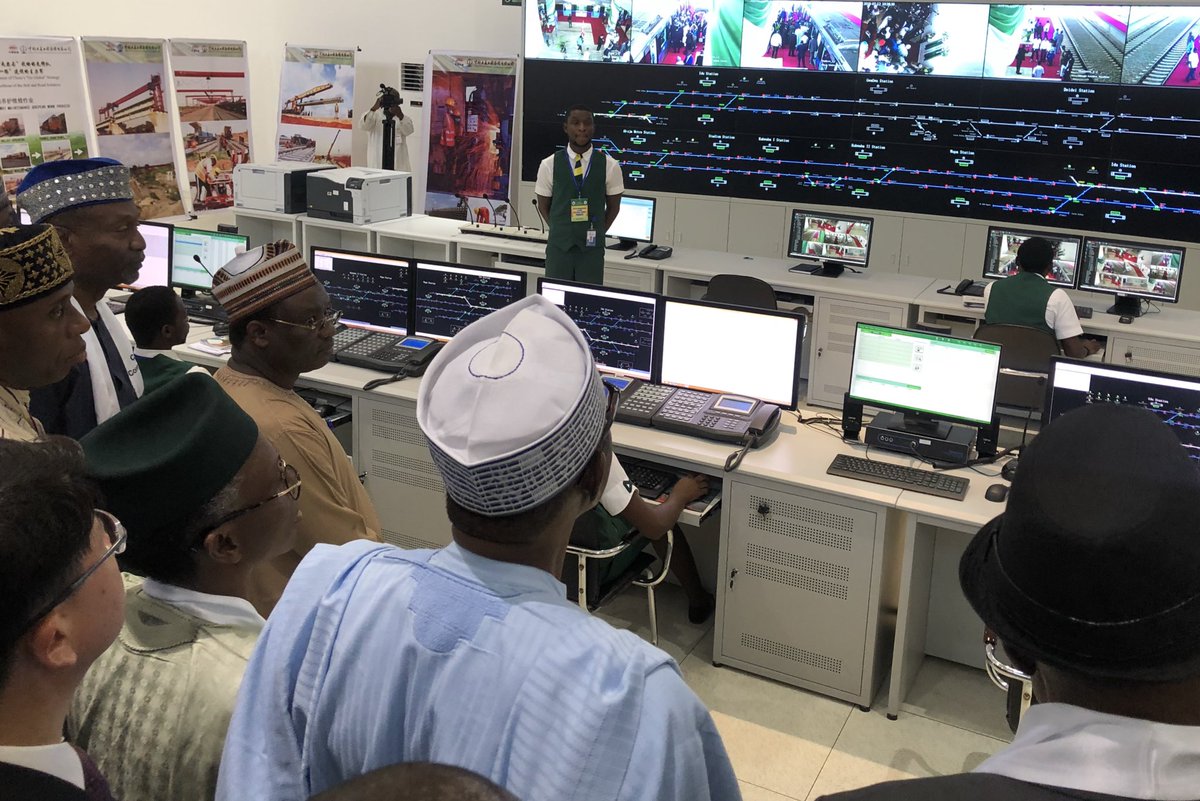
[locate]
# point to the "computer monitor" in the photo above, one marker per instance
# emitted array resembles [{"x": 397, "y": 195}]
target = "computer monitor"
[
  {"x": 196, "y": 255},
  {"x": 620, "y": 325},
  {"x": 372, "y": 292},
  {"x": 733, "y": 349},
  {"x": 156, "y": 267},
  {"x": 1001, "y": 258},
  {"x": 1132, "y": 271},
  {"x": 634, "y": 223},
  {"x": 1174, "y": 398},
  {"x": 929, "y": 379},
  {"x": 450, "y": 297},
  {"x": 834, "y": 240}
]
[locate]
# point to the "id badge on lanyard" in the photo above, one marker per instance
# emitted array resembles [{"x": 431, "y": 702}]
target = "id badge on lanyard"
[{"x": 579, "y": 204}]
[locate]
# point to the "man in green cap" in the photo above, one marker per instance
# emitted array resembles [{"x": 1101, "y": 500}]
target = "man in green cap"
[
  {"x": 205, "y": 499},
  {"x": 41, "y": 331}
]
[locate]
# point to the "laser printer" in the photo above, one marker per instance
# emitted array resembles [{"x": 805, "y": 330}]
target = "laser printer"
[
  {"x": 274, "y": 186},
  {"x": 359, "y": 195}
]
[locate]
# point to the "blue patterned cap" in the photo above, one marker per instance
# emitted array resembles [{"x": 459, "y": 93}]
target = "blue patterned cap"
[{"x": 60, "y": 185}]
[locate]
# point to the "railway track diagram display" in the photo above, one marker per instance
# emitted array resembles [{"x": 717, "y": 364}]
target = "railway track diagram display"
[
  {"x": 369, "y": 290},
  {"x": 620, "y": 326},
  {"x": 449, "y": 297}
]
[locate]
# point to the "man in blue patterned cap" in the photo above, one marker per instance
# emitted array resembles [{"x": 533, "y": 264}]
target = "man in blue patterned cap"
[
  {"x": 471, "y": 655},
  {"x": 90, "y": 203}
]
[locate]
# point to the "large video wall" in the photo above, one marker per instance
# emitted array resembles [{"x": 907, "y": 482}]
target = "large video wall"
[{"x": 1067, "y": 116}]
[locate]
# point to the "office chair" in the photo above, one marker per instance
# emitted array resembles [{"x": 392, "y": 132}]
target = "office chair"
[
  {"x": 592, "y": 594},
  {"x": 1024, "y": 363},
  {"x": 741, "y": 290}
]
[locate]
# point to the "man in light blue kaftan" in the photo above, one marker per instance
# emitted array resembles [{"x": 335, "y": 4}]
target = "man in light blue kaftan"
[{"x": 471, "y": 655}]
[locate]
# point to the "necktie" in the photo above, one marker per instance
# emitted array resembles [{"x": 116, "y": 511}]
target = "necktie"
[{"x": 578, "y": 166}]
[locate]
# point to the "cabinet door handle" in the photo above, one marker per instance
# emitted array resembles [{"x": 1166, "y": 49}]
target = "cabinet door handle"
[
  {"x": 764, "y": 509},
  {"x": 819, "y": 352},
  {"x": 732, "y": 574},
  {"x": 1129, "y": 355}
]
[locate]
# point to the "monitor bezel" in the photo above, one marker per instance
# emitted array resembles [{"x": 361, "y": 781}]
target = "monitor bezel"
[
  {"x": 171, "y": 265},
  {"x": 920, "y": 414},
  {"x": 358, "y": 324},
  {"x": 801, "y": 321},
  {"x": 416, "y": 286},
  {"x": 655, "y": 355},
  {"x": 653, "y": 219},
  {"x": 1079, "y": 240},
  {"x": 836, "y": 216},
  {"x": 170, "y": 253},
  {"x": 1099, "y": 240},
  {"x": 1056, "y": 361}
]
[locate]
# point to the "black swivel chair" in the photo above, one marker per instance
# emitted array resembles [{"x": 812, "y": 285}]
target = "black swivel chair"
[
  {"x": 1024, "y": 363},
  {"x": 741, "y": 290}
]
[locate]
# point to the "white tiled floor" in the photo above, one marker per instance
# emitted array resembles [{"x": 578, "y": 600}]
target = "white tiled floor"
[{"x": 789, "y": 744}]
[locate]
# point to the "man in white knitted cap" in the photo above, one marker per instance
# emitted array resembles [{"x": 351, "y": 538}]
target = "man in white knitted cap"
[{"x": 471, "y": 655}]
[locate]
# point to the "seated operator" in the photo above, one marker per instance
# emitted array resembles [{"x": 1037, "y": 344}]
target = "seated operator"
[{"x": 1028, "y": 299}]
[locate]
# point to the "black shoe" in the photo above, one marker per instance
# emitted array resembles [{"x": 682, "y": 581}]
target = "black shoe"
[{"x": 698, "y": 613}]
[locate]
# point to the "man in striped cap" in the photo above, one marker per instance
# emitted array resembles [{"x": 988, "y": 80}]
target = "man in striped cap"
[
  {"x": 281, "y": 325},
  {"x": 41, "y": 332}
]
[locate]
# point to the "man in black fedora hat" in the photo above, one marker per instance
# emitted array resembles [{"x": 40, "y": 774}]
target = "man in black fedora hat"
[{"x": 1096, "y": 592}]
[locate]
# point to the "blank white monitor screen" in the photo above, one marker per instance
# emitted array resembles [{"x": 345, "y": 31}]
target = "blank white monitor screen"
[
  {"x": 913, "y": 371},
  {"x": 619, "y": 326},
  {"x": 635, "y": 220},
  {"x": 724, "y": 349},
  {"x": 156, "y": 266}
]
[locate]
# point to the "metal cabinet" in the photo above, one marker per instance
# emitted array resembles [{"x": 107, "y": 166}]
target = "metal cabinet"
[
  {"x": 832, "y": 342},
  {"x": 1152, "y": 354},
  {"x": 802, "y": 587}
]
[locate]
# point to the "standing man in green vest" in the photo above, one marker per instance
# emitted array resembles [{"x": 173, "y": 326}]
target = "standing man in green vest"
[
  {"x": 579, "y": 194},
  {"x": 1027, "y": 299}
]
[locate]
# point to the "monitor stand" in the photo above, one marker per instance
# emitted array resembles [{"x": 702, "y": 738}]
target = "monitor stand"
[
  {"x": 911, "y": 424},
  {"x": 1127, "y": 306},
  {"x": 623, "y": 244},
  {"x": 187, "y": 294},
  {"x": 826, "y": 269}
]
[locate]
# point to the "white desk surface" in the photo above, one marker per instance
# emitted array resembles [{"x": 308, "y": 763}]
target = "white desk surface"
[
  {"x": 419, "y": 228},
  {"x": 1171, "y": 323},
  {"x": 341, "y": 225},
  {"x": 263, "y": 214}
]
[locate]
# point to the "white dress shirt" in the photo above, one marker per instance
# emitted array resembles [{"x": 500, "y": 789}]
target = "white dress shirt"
[
  {"x": 220, "y": 610},
  {"x": 59, "y": 760},
  {"x": 614, "y": 181}
]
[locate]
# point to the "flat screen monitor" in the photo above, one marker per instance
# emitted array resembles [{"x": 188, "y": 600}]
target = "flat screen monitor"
[
  {"x": 156, "y": 268},
  {"x": 620, "y": 325},
  {"x": 1001, "y": 259},
  {"x": 1132, "y": 271},
  {"x": 1174, "y": 398},
  {"x": 733, "y": 349},
  {"x": 372, "y": 292},
  {"x": 634, "y": 223},
  {"x": 196, "y": 255},
  {"x": 835, "y": 240},
  {"x": 450, "y": 297},
  {"x": 931, "y": 380}
]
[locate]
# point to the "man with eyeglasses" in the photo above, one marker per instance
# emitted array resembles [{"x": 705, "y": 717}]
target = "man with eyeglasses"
[
  {"x": 90, "y": 204},
  {"x": 281, "y": 325},
  {"x": 61, "y": 603},
  {"x": 206, "y": 500},
  {"x": 471, "y": 655}
]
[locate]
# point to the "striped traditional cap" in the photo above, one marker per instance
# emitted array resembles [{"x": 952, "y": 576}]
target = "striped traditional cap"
[
  {"x": 260, "y": 277},
  {"x": 33, "y": 263},
  {"x": 56, "y": 186}
]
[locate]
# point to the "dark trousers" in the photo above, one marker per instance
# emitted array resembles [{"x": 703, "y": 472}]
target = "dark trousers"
[{"x": 585, "y": 265}]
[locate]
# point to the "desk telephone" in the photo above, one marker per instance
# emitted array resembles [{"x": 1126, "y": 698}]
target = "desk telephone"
[
  {"x": 968, "y": 287},
  {"x": 724, "y": 418},
  {"x": 652, "y": 251}
]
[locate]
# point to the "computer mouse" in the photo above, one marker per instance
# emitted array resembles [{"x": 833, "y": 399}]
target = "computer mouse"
[
  {"x": 1125, "y": 318},
  {"x": 1009, "y": 470},
  {"x": 997, "y": 493},
  {"x": 327, "y": 410}
]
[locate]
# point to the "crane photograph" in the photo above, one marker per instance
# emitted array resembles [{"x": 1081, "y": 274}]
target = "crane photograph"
[{"x": 316, "y": 112}]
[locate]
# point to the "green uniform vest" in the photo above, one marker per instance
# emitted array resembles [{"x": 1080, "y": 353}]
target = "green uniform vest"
[
  {"x": 1020, "y": 300},
  {"x": 565, "y": 234}
]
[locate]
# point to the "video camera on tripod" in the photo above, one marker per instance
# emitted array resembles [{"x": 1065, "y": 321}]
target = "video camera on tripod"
[{"x": 388, "y": 99}]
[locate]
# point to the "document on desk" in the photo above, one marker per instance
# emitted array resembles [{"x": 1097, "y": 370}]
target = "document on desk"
[{"x": 213, "y": 347}]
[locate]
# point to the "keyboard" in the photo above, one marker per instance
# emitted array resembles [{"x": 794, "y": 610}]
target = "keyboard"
[
  {"x": 894, "y": 475},
  {"x": 1083, "y": 312},
  {"x": 640, "y": 407},
  {"x": 684, "y": 404},
  {"x": 649, "y": 480},
  {"x": 347, "y": 337}
]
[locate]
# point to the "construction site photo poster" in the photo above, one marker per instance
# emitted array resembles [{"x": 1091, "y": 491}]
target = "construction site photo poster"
[
  {"x": 43, "y": 116},
  {"x": 211, "y": 89},
  {"x": 316, "y": 105},
  {"x": 128, "y": 91},
  {"x": 471, "y": 103}
]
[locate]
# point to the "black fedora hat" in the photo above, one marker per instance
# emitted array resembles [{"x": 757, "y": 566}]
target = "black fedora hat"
[{"x": 1095, "y": 564}]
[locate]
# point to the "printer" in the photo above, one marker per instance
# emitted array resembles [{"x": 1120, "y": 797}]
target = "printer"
[
  {"x": 274, "y": 186},
  {"x": 359, "y": 195}
]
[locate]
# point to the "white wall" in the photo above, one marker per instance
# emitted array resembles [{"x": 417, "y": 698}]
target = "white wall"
[{"x": 388, "y": 33}]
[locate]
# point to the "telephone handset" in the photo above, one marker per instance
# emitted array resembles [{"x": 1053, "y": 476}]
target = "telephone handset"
[
  {"x": 420, "y": 359},
  {"x": 968, "y": 287},
  {"x": 725, "y": 418}
]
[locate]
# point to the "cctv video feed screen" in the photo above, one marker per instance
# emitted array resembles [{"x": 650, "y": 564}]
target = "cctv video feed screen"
[
  {"x": 829, "y": 238},
  {"x": 1002, "y": 247},
  {"x": 1147, "y": 271},
  {"x": 1068, "y": 116}
]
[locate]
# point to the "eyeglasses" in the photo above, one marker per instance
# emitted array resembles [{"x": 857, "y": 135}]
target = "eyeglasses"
[
  {"x": 313, "y": 323},
  {"x": 117, "y": 536},
  {"x": 291, "y": 486}
]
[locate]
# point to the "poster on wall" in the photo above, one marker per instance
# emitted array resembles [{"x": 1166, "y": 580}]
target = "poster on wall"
[
  {"x": 472, "y": 98},
  {"x": 42, "y": 111},
  {"x": 127, "y": 85},
  {"x": 316, "y": 105},
  {"x": 212, "y": 90}
]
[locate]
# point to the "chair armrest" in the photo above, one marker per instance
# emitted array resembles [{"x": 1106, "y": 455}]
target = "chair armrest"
[{"x": 654, "y": 581}]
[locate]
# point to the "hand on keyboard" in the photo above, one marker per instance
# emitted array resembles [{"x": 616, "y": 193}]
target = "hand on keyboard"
[{"x": 690, "y": 487}]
